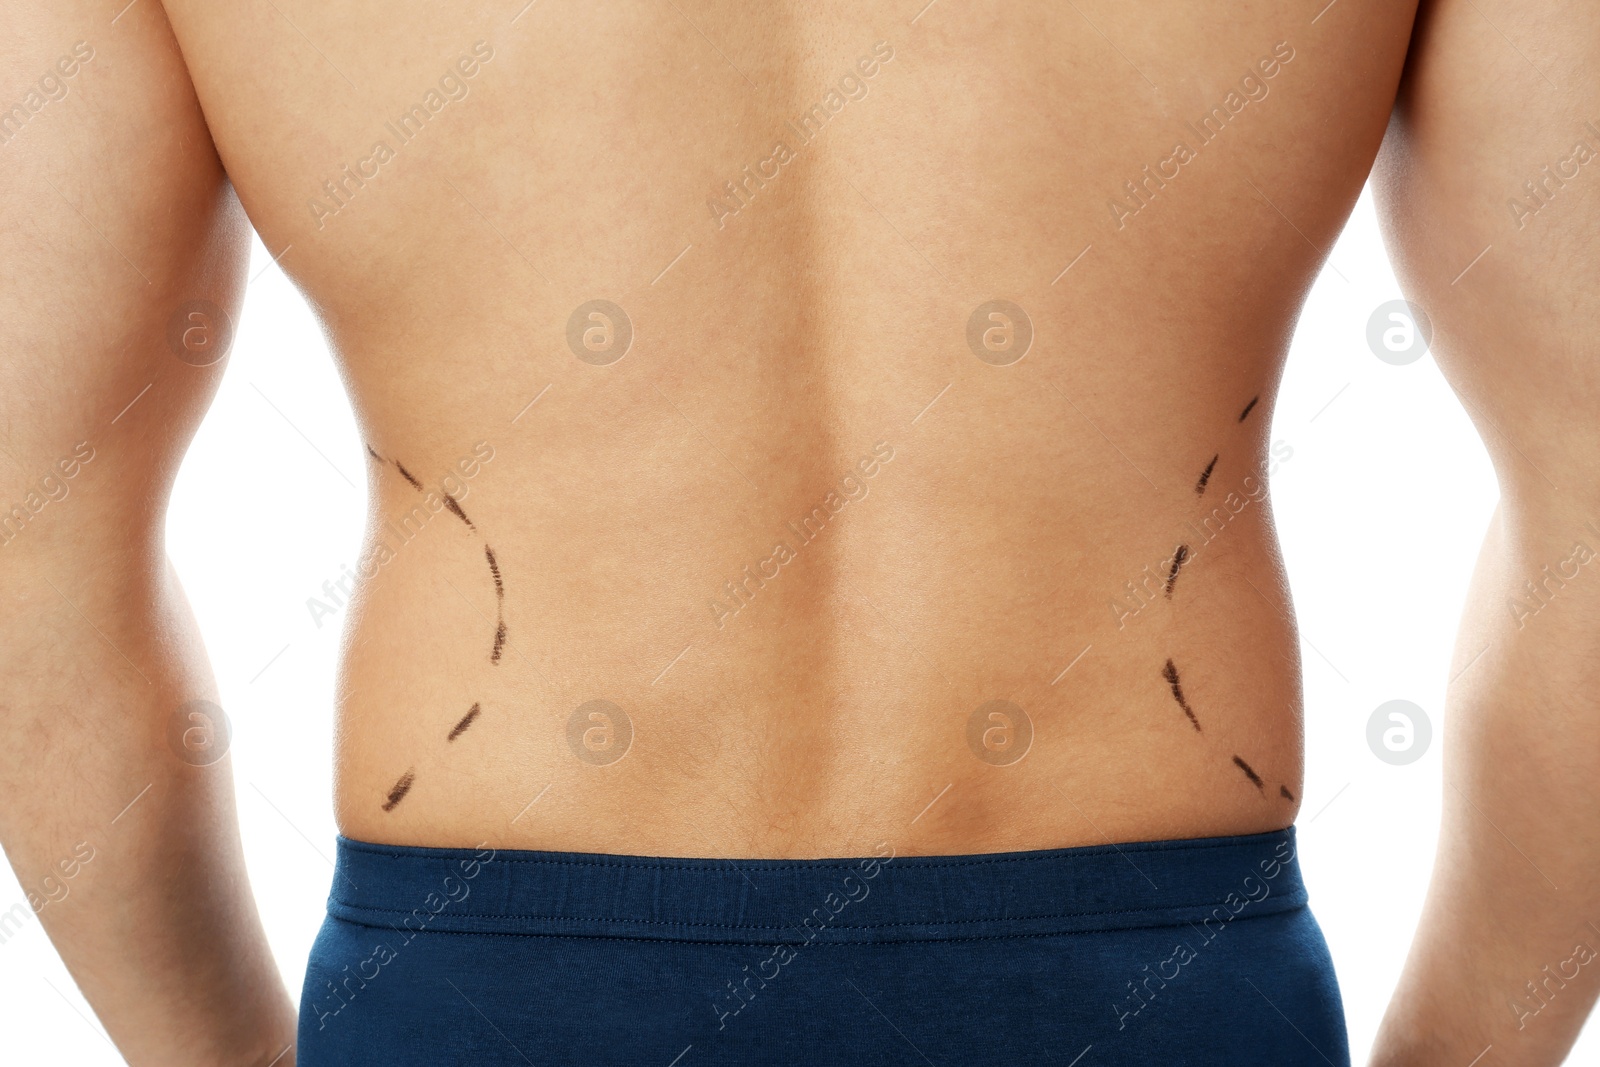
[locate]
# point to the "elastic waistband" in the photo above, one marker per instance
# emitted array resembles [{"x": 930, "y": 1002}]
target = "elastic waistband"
[{"x": 878, "y": 898}]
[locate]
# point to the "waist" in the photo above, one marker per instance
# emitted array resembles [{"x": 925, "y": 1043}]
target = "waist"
[
  {"x": 1161, "y": 738},
  {"x": 994, "y": 690}
]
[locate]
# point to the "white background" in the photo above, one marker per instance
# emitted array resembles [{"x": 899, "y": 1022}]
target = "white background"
[{"x": 1381, "y": 509}]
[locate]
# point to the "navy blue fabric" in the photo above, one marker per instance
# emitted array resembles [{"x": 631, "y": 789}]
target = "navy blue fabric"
[{"x": 1174, "y": 953}]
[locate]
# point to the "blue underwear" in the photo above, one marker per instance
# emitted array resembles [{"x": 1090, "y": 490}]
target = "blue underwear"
[{"x": 1173, "y": 952}]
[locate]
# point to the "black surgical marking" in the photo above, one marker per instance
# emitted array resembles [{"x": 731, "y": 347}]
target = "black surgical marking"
[
  {"x": 1283, "y": 791},
  {"x": 1170, "y": 673},
  {"x": 500, "y": 606},
  {"x": 1247, "y": 407},
  {"x": 455, "y": 509},
  {"x": 403, "y": 786},
  {"x": 1178, "y": 559},
  {"x": 466, "y": 721},
  {"x": 1249, "y": 773},
  {"x": 398, "y": 793},
  {"x": 1205, "y": 475},
  {"x": 494, "y": 569}
]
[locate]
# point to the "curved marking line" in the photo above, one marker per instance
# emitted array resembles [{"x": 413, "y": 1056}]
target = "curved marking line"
[
  {"x": 499, "y": 606},
  {"x": 1249, "y": 773},
  {"x": 455, "y": 509},
  {"x": 1170, "y": 673},
  {"x": 1205, "y": 475},
  {"x": 401, "y": 788},
  {"x": 1248, "y": 406},
  {"x": 466, "y": 721},
  {"x": 494, "y": 569},
  {"x": 1178, "y": 559}
]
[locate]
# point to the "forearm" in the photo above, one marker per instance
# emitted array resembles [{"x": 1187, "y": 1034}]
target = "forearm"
[
  {"x": 121, "y": 830},
  {"x": 1506, "y": 962}
]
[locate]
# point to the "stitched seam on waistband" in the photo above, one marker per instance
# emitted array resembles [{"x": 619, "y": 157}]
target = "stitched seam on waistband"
[
  {"x": 796, "y": 925},
  {"x": 711, "y": 865},
  {"x": 1305, "y": 906}
]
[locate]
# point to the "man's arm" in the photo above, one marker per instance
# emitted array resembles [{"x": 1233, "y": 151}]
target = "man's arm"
[
  {"x": 120, "y": 240},
  {"x": 1489, "y": 188}
]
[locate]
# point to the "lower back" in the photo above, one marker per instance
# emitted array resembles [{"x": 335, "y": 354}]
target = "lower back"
[{"x": 852, "y": 429}]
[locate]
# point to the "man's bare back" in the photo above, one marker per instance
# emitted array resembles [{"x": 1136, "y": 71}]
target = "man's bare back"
[
  {"x": 702, "y": 283},
  {"x": 791, "y": 429}
]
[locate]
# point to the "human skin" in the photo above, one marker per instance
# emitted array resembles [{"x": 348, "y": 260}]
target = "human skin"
[
  {"x": 794, "y": 337},
  {"x": 1503, "y": 966},
  {"x": 98, "y": 647},
  {"x": 1009, "y": 525}
]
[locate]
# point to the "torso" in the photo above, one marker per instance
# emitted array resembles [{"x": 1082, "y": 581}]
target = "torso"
[{"x": 800, "y": 348}]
